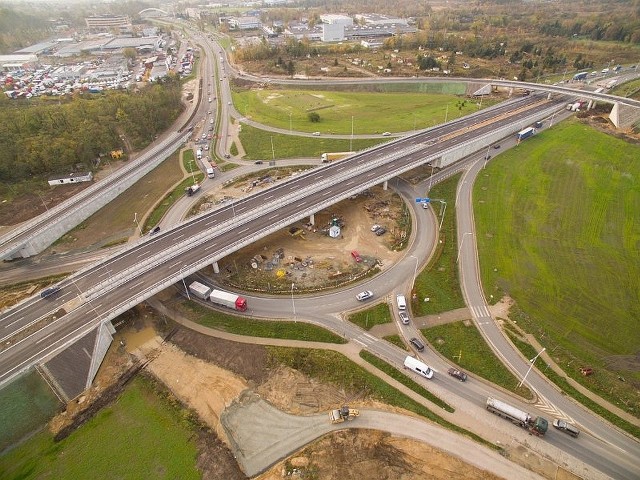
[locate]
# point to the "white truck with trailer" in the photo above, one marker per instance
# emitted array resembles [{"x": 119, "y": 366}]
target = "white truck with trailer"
[{"x": 199, "y": 290}]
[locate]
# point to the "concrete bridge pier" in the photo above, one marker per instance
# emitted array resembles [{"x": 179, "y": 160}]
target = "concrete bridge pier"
[
  {"x": 385, "y": 185},
  {"x": 624, "y": 116},
  {"x": 312, "y": 219},
  {"x": 216, "y": 268}
]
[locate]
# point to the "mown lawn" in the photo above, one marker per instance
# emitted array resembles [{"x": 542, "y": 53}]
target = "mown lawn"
[
  {"x": 260, "y": 328},
  {"x": 439, "y": 281},
  {"x": 371, "y": 317},
  {"x": 558, "y": 231},
  {"x": 372, "y": 112},
  {"x": 464, "y": 346},
  {"x": 257, "y": 145},
  {"x": 142, "y": 435}
]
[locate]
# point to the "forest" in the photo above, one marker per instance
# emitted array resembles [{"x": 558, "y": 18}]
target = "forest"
[{"x": 53, "y": 135}]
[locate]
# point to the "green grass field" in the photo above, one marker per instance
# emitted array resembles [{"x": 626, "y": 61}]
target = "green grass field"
[
  {"x": 26, "y": 405},
  {"x": 142, "y": 435},
  {"x": 260, "y": 328},
  {"x": 372, "y": 112},
  {"x": 439, "y": 281},
  {"x": 465, "y": 346},
  {"x": 376, "y": 315},
  {"x": 257, "y": 145},
  {"x": 558, "y": 231}
]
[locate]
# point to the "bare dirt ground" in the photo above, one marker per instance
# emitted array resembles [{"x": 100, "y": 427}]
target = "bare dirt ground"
[
  {"x": 306, "y": 255},
  {"x": 206, "y": 374}
]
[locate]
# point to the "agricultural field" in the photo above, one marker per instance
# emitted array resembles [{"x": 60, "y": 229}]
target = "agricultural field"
[
  {"x": 141, "y": 435},
  {"x": 372, "y": 112},
  {"x": 558, "y": 232}
]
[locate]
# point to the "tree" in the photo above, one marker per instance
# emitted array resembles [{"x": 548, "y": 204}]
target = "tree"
[{"x": 314, "y": 117}]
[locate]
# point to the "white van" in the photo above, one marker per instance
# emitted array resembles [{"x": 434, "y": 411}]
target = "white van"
[
  {"x": 402, "y": 302},
  {"x": 418, "y": 367}
]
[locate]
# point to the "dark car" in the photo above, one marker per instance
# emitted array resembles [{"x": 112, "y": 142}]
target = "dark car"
[
  {"x": 459, "y": 374},
  {"x": 258, "y": 162},
  {"x": 417, "y": 343},
  {"x": 380, "y": 231},
  {"x": 47, "y": 292},
  {"x": 496, "y": 146},
  {"x": 154, "y": 230}
]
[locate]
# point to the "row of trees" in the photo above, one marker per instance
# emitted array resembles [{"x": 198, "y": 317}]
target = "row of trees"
[{"x": 51, "y": 135}]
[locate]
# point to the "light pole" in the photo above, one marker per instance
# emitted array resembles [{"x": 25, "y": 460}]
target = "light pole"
[
  {"x": 42, "y": 200},
  {"x": 486, "y": 158},
  {"x": 290, "y": 127},
  {"x": 431, "y": 177},
  {"x": 532, "y": 361},
  {"x": 135, "y": 220},
  {"x": 415, "y": 272},
  {"x": 293, "y": 303},
  {"x": 184, "y": 284},
  {"x": 273, "y": 152},
  {"x": 462, "y": 243},
  {"x": 351, "y": 139},
  {"x": 446, "y": 115}
]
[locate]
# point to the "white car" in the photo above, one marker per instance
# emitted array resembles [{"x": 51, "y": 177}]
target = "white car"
[
  {"x": 404, "y": 317},
  {"x": 316, "y": 134},
  {"x": 386, "y": 134},
  {"x": 375, "y": 227},
  {"x": 364, "y": 295}
]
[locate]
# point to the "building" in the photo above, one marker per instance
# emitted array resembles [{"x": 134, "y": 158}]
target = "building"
[
  {"x": 331, "y": 19},
  {"x": 106, "y": 23},
  {"x": 332, "y": 32},
  {"x": 18, "y": 62},
  {"x": 245, "y": 23},
  {"x": 71, "y": 178}
]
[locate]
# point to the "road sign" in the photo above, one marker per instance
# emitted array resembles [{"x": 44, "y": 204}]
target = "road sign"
[{"x": 423, "y": 200}]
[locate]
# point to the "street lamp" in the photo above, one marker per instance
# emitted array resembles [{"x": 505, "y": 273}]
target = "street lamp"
[
  {"x": 415, "y": 272},
  {"x": 184, "y": 283},
  {"x": 273, "y": 152},
  {"x": 42, "y": 200},
  {"x": 135, "y": 220},
  {"x": 462, "y": 243},
  {"x": 293, "y": 303},
  {"x": 351, "y": 139},
  {"x": 532, "y": 361},
  {"x": 290, "y": 127}
]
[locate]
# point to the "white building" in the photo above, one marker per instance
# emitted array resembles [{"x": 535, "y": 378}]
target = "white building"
[
  {"x": 331, "y": 19},
  {"x": 332, "y": 32}
]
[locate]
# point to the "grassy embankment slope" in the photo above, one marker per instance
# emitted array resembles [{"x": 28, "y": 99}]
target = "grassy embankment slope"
[{"x": 558, "y": 231}]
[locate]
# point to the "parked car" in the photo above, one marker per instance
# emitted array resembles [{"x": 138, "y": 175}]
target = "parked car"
[
  {"x": 404, "y": 318},
  {"x": 375, "y": 227},
  {"x": 459, "y": 374},
  {"x": 154, "y": 230},
  {"x": 381, "y": 231},
  {"x": 417, "y": 343},
  {"x": 566, "y": 427},
  {"x": 356, "y": 256},
  {"x": 364, "y": 295}
]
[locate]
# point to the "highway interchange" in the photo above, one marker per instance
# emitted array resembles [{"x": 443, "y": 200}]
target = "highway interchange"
[{"x": 111, "y": 286}]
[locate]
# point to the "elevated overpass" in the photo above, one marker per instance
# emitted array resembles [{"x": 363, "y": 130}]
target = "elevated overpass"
[{"x": 103, "y": 291}]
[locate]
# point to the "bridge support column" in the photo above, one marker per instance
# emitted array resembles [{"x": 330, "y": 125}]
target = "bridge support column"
[
  {"x": 591, "y": 104},
  {"x": 216, "y": 268},
  {"x": 624, "y": 116},
  {"x": 385, "y": 185},
  {"x": 312, "y": 219}
]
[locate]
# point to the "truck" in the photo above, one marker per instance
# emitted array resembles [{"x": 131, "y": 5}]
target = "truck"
[
  {"x": 192, "y": 189},
  {"x": 526, "y": 133},
  {"x": 536, "y": 425},
  {"x": 339, "y": 415},
  {"x": 208, "y": 168},
  {"x": 199, "y": 153},
  {"x": 580, "y": 76},
  {"x": 229, "y": 300},
  {"x": 329, "y": 157},
  {"x": 199, "y": 290}
]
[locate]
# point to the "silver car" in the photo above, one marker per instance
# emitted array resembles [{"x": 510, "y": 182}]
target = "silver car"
[
  {"x": 404, "y": 317},
  {"x": 364, "y": 295},
  {"x": 566, "y": 427}
]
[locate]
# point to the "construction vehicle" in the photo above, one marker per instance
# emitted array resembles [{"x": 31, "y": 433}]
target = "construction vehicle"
[
  {"x": 536, "y": 425},
  {"x": 342, "y": 414}
]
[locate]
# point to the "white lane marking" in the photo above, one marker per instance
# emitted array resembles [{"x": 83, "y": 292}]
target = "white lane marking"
[
  {"x": 208, "y": 247},
  {"x": 45, "y": 337},
  {"x": 358, "y": 341},
  {"x": 136, "y": 285}
]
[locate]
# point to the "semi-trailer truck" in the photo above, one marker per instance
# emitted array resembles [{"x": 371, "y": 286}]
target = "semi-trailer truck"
[
  {"x": 208, "y": 168},
  {"x": 229, "y": 300},
  {"x": 199, "y": 290},
  {"x": 536, "y": 425},
  {"x": 328, "y": 157}
]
